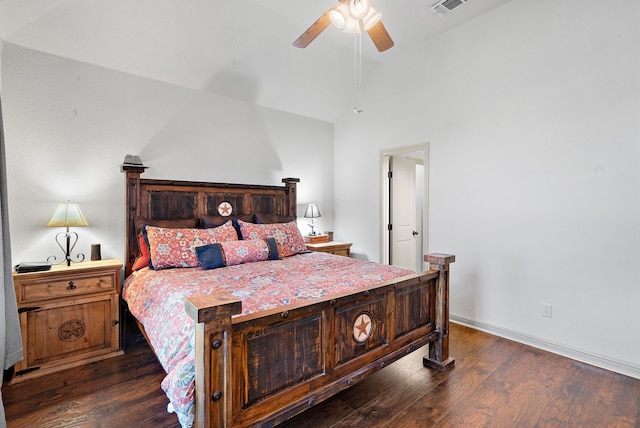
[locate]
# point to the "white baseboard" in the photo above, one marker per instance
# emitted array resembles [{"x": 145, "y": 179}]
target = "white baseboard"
[{"x": 622, "y": 367}]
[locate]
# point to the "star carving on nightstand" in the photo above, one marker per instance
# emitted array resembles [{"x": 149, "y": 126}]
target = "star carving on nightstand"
[
  {"x": 362, "y": 326},
  {"x": 225, "y": 209},
  {"x": 71, "y": 330}
]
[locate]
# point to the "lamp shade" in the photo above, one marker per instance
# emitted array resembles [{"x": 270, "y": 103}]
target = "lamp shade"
[
  {"x": 68, "y": 214},
  {"x": 312, "y": 211}
]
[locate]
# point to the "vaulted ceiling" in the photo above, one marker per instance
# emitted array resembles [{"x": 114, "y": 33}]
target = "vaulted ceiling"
[{"x": 237, "y": 48}]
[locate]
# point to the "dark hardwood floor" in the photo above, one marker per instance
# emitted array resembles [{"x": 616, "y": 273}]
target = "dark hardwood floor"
[{"x": 495, "y": 383}]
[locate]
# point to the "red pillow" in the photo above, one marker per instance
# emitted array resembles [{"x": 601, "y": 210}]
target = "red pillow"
[{"x": 143, "y": 259}]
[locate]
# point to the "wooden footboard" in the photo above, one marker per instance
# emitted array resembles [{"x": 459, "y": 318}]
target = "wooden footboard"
[{"x": 263, "y": 369}]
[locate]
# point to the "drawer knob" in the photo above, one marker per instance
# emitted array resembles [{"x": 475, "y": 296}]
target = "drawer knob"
[{"x": 71, "y": 286}]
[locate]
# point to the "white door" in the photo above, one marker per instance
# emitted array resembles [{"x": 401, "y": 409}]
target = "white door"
[{"x": 402, "y": 216}]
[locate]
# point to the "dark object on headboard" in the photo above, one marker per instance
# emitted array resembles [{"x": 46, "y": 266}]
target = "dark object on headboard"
[
  {"x": 133, "y": 161},
  {"x": 173, "y": 200}
]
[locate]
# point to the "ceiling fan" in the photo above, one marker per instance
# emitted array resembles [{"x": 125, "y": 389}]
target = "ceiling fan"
[{"x": 351, "y": 16}]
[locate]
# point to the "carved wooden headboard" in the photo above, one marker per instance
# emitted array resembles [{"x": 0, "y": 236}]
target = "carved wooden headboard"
[{"x": 169, "y": 200}]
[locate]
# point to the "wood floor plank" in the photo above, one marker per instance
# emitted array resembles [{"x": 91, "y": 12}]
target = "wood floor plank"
[
  {"x": 449, "y": 387},
  {"x": 616, "y": 402},
  {"x": 513, "y": 391},
  {"x": 458, "y": 386},
  {"x": 323, "y": 415},
  {"x": 575, "y": 394},
  {"x": 109, "y": 372},
  {"x": 383, "y": 408},
  {"x": 95, "y": 407}
]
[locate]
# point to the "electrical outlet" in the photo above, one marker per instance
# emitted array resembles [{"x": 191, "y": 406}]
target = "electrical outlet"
[{"x": 546, "y": 310}]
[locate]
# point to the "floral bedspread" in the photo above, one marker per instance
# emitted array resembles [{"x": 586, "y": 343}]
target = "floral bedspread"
[{"x": 156, "y": 299}]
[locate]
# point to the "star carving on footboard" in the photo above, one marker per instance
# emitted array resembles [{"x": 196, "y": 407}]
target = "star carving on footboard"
[{"x": 362, "y": 327}]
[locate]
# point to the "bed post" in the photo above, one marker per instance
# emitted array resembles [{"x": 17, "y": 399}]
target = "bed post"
[
  {"x": 132, "y": 194},
  {"x": 439, "y": 350},
  {"x": 290, "y": 183},
  {"x": 213, "y": 339}
]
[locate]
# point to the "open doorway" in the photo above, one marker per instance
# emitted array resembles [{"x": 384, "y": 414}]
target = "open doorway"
[{"x": 405, "y": 206}]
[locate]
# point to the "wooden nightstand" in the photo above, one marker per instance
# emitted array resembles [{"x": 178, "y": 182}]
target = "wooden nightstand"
[
  {"x": 69, "y": 316},
  {"x": 333, "y": 247}
]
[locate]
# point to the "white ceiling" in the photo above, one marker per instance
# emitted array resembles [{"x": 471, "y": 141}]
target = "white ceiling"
[{"x": 238, "y": 48}]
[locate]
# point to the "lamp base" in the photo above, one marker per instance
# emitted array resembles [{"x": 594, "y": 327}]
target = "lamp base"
[
  {"x": 67, "y": 252},
  {"x": 312, "y": 226}
]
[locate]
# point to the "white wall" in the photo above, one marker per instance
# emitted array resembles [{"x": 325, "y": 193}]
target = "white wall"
[
  {"x": 68, "y": 126},
  {"x": 1, "y": 49},
  {"x": 532, "y": 112}
]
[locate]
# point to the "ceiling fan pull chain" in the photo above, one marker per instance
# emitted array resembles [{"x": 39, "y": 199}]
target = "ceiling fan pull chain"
[{"x": 357, "y": 72}]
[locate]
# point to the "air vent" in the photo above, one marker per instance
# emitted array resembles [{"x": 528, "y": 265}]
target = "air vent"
[{"x": 444, "y": 7}]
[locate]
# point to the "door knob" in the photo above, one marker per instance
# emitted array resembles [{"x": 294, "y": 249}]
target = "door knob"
[{"x": 414, "y": 233}]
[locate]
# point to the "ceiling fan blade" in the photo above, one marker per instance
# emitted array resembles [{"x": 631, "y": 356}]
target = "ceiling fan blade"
[
  {"x": 380, "y": 37},
  {"x": 313, "y": 31}
]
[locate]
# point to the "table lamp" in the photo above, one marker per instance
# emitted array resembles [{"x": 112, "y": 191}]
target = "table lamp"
[
  {"x": 312, "y": 212},
  {"x": 67, "y": 215}
]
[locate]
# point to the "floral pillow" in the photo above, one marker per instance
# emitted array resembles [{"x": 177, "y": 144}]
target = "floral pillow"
[
  {"x": 287, "y": 236},
  {"x": 177, "y": 247},
  {"x": 214, "y": 256},
  {"x": 143, "y": 248},
  {"x": 218, "y": 220}
]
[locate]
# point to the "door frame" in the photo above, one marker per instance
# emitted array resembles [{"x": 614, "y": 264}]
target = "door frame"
[{"x": 385, "y": 201}]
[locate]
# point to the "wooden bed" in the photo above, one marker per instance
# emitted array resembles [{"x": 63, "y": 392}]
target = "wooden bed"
[{"x": 240, "y": 383}]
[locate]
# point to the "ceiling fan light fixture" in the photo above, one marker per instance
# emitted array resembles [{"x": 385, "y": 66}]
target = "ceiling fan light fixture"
[
  {"x": 341, "y": 18},
  {"x": 338, "y": 16},
  {"x": 352, "y": 26},
  {"x": 358, "y": 9},
  {"x": 350, "y": 16},
  {"x": 372, "y": 18}
]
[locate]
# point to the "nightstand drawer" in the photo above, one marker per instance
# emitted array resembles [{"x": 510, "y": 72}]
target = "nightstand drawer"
[
  {"x": 66, "y": 286},
  {"x": 341, "y": 252}
]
